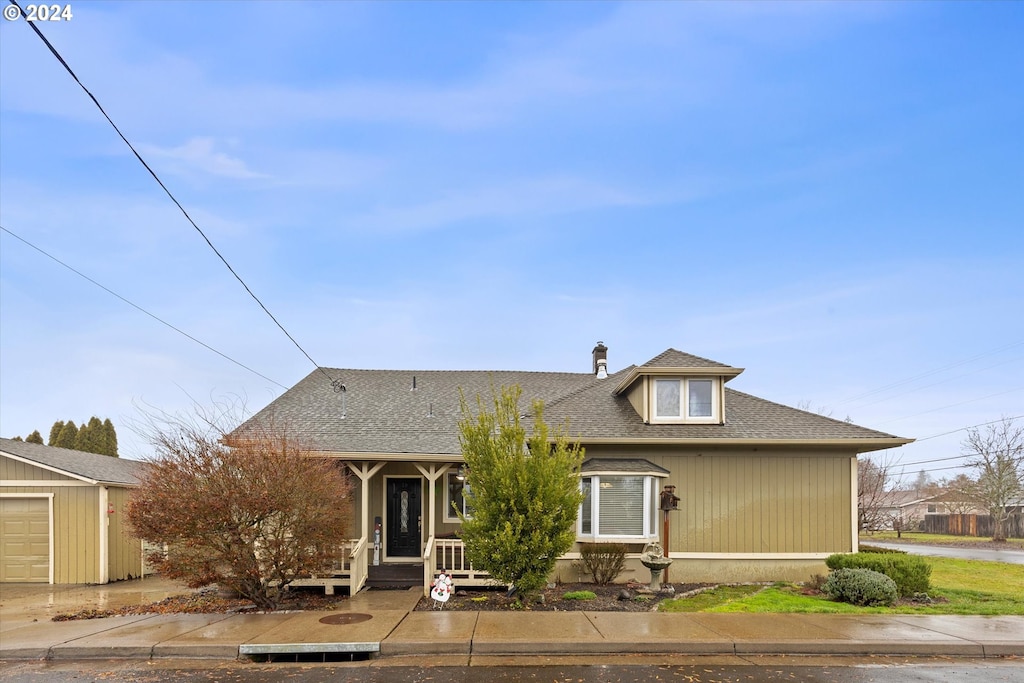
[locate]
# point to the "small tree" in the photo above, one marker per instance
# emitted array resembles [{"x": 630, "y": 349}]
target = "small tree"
[
  {"x": 960, "y": 494},
  {"x": 524, "y": 492},
  {"x": 251, "y": 514},
  {"x": 34, "y": 437},
  {"x": 998, "y": 455}
]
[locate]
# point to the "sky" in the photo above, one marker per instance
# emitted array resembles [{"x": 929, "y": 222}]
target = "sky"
[{"x": 829, "y": 195}]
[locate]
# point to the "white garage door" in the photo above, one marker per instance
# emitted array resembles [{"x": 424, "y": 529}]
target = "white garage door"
[{"x": 24, "y": 539}]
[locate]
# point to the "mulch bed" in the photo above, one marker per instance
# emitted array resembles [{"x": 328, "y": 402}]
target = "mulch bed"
[
  {"x": 631, "y": 597},
  {"x": 611, "y": 598}
]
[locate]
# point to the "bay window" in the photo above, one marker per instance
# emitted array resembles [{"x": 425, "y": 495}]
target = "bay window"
[{"x": 618, "y": 506}]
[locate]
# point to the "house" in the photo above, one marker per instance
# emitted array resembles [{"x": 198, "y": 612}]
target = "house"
[
  {"x": 61, "y": 515},
  {"x": 900, "y": 510},
  {"x": 766, "y": 492}
]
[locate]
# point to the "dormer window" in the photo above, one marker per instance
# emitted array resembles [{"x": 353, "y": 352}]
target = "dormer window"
[{"x": 685, "y": 399}]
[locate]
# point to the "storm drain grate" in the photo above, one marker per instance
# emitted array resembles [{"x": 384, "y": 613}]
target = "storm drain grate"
[{"x": 309, "y": 652}]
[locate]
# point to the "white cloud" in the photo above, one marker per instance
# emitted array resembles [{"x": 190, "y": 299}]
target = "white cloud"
[{"x": 199, "y": 154}]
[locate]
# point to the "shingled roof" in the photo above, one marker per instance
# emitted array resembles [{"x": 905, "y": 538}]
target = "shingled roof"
[
  {"x": 96, "y": 469},
  {"x": 380, "y": 412}
]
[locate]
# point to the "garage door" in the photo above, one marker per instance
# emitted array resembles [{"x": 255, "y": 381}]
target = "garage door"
[{"x": 24, "y": 539}]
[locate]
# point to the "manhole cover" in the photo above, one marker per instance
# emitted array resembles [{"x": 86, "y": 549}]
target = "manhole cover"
[{"x": 345, "y": 618}]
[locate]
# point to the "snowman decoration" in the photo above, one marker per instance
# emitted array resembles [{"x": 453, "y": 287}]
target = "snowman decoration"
[{"x": 441, "y": 589}]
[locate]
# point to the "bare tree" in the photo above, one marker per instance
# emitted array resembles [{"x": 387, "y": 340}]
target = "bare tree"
[
  {"x": 960, "y": 495},
  {"x": 997, "y": 452},
  {"x": 875, "y": 487},
  {"x": 249, "y": 511}
]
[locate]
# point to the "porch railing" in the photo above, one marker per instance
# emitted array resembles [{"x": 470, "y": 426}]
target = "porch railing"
[
  {"x": 351, "y": 571},
  {"x": 448, "y": 554}
]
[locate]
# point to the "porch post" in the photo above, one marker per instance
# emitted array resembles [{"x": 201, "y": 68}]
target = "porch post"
[
  {"x": 432, "y": 475},
  {"x": 365, "y": 472}
]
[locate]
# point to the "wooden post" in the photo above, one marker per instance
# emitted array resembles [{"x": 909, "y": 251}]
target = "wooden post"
[{"x": 665, "y": 545}]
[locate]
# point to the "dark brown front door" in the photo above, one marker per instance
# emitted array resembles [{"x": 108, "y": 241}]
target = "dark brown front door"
[{"x": 403, "y": 525}]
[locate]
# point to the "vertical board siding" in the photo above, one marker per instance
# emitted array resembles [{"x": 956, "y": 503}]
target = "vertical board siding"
[
  {"x": 765, "y": 502},
  {"x": 125, "y": 555}
]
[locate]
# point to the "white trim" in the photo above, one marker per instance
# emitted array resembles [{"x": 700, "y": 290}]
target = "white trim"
[
  {"x": 720, "y": 556},
  {"x": 684, "y": 417},
  {"x": 415, "y": 559},
  {"x": 854, "y": 504},
  {"x": 41, "y": 483},
  {"x": 749, "y": 556},
  {"x": 48, "y": 496},
  {"x": 104, "y": 533}
]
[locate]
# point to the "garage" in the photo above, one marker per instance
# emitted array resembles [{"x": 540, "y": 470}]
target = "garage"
[
  {"x": 25, "y": 539},
  {"x": 62, "y": 516}
]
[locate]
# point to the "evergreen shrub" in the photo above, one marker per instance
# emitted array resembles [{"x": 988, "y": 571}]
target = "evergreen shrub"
[{"x": 860, "y": 586}]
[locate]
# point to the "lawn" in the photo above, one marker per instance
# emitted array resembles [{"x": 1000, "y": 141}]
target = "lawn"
[
  {"x": 955, "y": 589},
  {"x": 939, "y": 539}
]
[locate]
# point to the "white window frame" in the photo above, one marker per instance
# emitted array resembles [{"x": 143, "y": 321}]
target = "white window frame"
[
  {"x": 449, "y": 514},
  {"x": 684, "y": 401},
  {"x": 651, "y": 498}
]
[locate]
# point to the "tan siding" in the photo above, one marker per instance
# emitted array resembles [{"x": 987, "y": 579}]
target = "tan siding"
[
  {"x": 754, "y": 502},
  {"x": 15, "y": 470},
  {"x": 125, "y": 559},
  {"x": 635, "y": 396}
]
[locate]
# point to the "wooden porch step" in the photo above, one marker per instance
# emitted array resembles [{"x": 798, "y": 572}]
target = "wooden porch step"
[{"x": 395, "y": 576}]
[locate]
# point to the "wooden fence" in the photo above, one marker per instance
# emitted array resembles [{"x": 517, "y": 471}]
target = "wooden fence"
[{"x": 971, "y": 525}]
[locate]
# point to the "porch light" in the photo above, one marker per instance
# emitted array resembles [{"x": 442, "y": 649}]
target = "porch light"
[{"x": 461, "y": 474}]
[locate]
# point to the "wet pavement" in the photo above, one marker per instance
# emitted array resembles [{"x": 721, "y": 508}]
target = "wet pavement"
[
  {"x": 988, "y": 554},
  {"x": 383, "y": 625}
]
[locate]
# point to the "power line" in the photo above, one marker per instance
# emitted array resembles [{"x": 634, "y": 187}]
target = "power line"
[
  {"x": 141, "y": 309},
  {"x": 981, "y": 424},
  {"x": 335, "y": 383},
  {"x": 953, "y": 405},
  {"x": 931, "y": 372}
]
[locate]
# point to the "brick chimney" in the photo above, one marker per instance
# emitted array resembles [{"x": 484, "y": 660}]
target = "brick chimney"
[{"x": 601, "y": 360}]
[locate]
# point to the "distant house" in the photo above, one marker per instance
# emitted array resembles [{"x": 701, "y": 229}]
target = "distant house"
[
  {"x": 62, "y": 515},
  {"x": 766, "y": 492}
]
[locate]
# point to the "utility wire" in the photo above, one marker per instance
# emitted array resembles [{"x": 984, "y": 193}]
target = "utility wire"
[
  {"x": 930, "y": 373},
  {"x": 335, "y": 383},
  {"x": 140, "y": 309},
  {"x": 982, "y": 424}
]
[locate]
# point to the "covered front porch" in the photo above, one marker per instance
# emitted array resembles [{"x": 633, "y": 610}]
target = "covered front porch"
[{"x": 404, "y": 515}]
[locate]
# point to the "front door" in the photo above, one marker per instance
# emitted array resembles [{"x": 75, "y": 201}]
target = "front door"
[{"x": 403, "y": 525}]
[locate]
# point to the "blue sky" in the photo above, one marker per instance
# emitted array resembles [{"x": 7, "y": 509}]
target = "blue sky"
[{"x": 830, "y": 195}]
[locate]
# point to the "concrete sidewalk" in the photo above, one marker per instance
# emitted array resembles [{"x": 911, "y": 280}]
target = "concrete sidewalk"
[{"x": 382, "y": 623}]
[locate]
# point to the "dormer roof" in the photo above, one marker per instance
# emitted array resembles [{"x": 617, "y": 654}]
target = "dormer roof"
[{"x": 673, "y": 362}]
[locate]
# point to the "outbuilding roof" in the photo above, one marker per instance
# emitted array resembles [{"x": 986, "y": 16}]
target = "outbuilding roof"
[{"x": 89, "y": 467}]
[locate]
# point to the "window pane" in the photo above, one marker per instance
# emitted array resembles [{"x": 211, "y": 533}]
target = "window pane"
[
  {"x": 621, "y": 502},
  {"x": 586, "y": 514},
  {"x": 700, "y": 398},
  {"x": 455, "y": 500},
  {"x": 667, "y": 397}
]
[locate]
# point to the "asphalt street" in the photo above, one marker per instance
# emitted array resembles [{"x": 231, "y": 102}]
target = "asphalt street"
[
  {"x": 789, "y": 670},
  {"x": 1010, "y": 556}
]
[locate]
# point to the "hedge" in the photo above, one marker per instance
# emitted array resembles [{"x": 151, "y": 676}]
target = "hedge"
[{"x": 910, "y": 572}]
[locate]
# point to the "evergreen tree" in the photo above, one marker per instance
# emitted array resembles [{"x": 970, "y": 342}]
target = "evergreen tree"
[
  {"x": 17, "y": 438},
  {"x": 34, "y": 437},
  {"x": 524, "y": 492},
  {"x": 68, "y": 436},
  {"x": 91, "y": 437},
  {"x": 109, "y": 438},
  {"x": 55, "y": 432}
]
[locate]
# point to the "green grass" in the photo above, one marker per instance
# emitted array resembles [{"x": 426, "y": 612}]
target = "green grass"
[
  {"x": 939, "y": 539},
  {"x": 579, "y": 595},
  {"x": 955, "y": 582}
]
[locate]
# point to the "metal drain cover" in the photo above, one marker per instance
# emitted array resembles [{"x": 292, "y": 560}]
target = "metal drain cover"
[{"x": 345, "y": 618}]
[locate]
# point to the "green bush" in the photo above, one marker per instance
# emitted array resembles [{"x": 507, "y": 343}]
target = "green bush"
[
  {"x": 860, "y": 587},
  {"x": 879, "y": 549},
  {"x": 605, "y": 561},
  {"x": 580, "y": 595},
  {"x": 910, "y": 572}
]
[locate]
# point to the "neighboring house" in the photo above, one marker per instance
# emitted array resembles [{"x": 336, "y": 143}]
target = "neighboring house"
[
  {"x": 766, "y": 492},
  {"x": 900, "y": 510},
  {"x": 62, "y": 515}
]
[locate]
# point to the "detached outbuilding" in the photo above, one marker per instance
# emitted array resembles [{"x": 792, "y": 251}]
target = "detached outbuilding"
[{"x": 62, "y": 516}]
